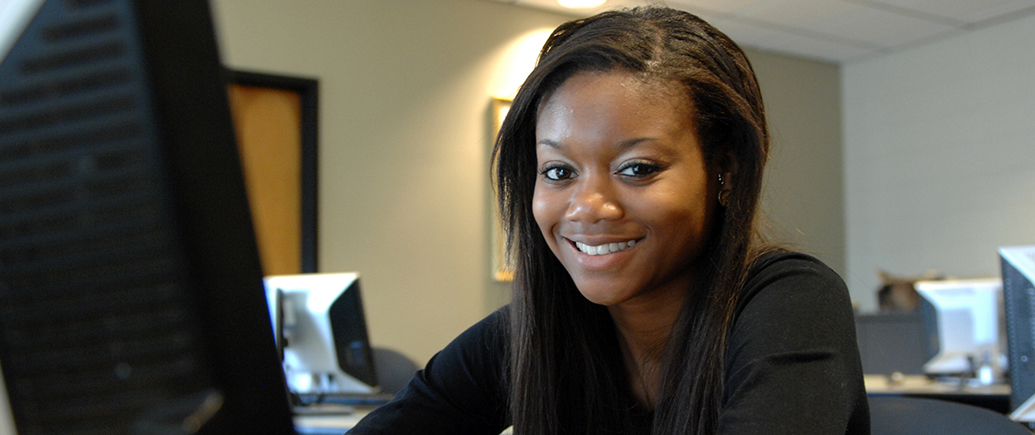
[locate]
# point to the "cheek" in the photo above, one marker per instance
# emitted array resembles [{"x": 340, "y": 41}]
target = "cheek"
[
  {"x": 682, "y": 219},
  {"x": 545, "y": 210}
]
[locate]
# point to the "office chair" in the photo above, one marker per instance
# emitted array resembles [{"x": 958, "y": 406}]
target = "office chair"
[
  {"x": 895, "y": 415},
  {"x": 394, "y": 370}
]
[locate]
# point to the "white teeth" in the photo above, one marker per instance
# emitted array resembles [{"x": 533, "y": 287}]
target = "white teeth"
[{"x": 606, "y": 248}]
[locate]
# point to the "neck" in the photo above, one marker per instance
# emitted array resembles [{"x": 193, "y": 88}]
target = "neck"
[
  {"x": 644, "y": 323},
  {"x": 644, "y": 327},
  {"x": 645, "y": 335}
]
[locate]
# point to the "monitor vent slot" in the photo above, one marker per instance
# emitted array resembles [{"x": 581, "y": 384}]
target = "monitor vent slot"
[
  {"x": 79, "y": 4},
  {"x": 74, "y": 57},
  {"x": 87, "y": 110},
  {"x": 53, "y": 143},
  {"x": 62, "y": 88},
  {"x": 1030, "y": 293},
  {"x": 81, "y": 28}
]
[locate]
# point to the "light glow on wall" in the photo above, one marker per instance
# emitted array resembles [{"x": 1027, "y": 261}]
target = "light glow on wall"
[
  {"x": 516, "y": 62},
  {"x": 581, "y": 4}
]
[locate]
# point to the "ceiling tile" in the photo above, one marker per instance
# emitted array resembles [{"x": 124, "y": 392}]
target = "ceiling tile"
[
  {"x": 963, "y": 11},
  {"x": 806, "y": 14},
  {"x": 762, "y": 38},
  {"x": 849, "y": 23},
  {"x": 885, "y": 29},
  {"x": 722, "y": 6},
  {"x": 833, "y": 30}
]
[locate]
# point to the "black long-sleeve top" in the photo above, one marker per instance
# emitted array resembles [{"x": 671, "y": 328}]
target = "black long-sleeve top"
[{"x": 792, "y": 366}]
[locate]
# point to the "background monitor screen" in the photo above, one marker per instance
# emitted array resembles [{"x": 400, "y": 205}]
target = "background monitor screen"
[
  {"x": 321, "y": 329},
  {"x": 969, "y": 321},
  {"x": 131, "y": 297}
]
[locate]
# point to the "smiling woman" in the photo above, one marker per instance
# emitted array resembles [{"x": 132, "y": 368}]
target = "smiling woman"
[
  {"x": 629, "y": 170},
  {"x": 620, "y": 163}
]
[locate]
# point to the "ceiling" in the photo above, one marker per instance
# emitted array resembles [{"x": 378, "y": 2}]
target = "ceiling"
[{"x": 832, "y": 30}]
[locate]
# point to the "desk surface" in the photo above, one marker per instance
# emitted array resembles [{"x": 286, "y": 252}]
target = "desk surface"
[
  {"x": 325, "y": 424},
  {"x": 922, "y": 385},
  {"x": 337, "y": 424},
  {"x": 908, "y": 385},
  {"x": 995, "y": 397}
]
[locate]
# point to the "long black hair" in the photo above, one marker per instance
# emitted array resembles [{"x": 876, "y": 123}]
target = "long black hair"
[{"x": 565, "y": 367}]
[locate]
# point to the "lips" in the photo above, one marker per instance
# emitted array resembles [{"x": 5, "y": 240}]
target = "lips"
[{"x": 606, "y": 248}]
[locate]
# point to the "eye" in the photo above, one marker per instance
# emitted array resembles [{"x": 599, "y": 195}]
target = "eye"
[
  {"x": 557, "y": 172},
  {"x": 638, "y": 169}
]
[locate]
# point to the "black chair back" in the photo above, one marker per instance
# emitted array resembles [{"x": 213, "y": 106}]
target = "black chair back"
[{"x": 891, "y": 415}]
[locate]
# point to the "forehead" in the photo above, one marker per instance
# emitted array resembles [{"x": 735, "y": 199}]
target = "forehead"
[{"x": 609, "y": 105}]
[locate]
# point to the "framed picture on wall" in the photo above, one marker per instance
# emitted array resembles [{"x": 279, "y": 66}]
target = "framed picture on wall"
[
  {"x": 502, "y": 264},
  {"x": 276, "y": 121}
]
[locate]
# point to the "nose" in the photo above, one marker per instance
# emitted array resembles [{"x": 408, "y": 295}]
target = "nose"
[{"x": 592, "y": 200}]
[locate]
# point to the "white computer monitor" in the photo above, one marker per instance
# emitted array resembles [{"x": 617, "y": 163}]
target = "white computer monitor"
[
  {"x": 321, "y": 330},
  {"x": 970, "y": 328}
]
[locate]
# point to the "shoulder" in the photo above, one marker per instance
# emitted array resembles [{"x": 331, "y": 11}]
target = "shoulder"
[
  {"x": 478, "y": 350},
  {"x": 793, "y": 275},
  {"x": 460, "y": 390},
  {"x": 792, "y": 299},
  {"x": 494, "y": 327},
  {"x": 776, "y": 265}
]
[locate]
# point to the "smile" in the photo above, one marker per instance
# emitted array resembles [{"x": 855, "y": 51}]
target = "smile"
[{"x": 607, "y": 248}]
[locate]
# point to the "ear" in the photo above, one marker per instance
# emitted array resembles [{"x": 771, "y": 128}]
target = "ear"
[{"x": 727, "y": 166}]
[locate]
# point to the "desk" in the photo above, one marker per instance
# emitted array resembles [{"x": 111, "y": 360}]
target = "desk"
[
  {"x": 995, "y": 397},
  {"x": 338, "y": 424},
  {"x": 328, "y": 424}
]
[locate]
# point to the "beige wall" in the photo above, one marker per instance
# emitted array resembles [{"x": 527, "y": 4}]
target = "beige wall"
[
  {"x": 940, "y": 164},
  {"x": 404, "y": 146},
  {"x": 803, "y": 195}
]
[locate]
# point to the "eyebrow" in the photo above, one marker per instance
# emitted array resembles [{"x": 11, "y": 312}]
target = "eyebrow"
[
  {"x": 550, "y": 143},
  {"x": 623, "y": 145}
]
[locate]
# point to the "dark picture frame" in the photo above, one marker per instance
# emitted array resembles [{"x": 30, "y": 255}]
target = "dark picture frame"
[{"x": 307, "y": 91}]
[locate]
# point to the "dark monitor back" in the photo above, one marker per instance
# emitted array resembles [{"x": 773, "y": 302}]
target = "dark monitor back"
[
  {"x": 1019, "y": 304},
  {"x": 131, "y": 296},
  {"x": 891, "y": 342},
  {"x": 351, "y": 341}
]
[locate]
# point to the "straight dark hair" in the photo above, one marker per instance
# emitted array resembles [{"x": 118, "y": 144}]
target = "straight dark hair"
[{"x": 565, "y": 368}]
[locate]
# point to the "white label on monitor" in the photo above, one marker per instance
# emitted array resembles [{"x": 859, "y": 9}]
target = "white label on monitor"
[
  {"x": 14, "y": 16},
  {"x": 6, "y": 419},
  {"x": 1022, "y": 258},
  {"x": 1025, "y": 412}
]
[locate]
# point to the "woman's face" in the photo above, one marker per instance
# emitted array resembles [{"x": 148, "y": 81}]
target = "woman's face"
[{"x": 624, "y": 197}]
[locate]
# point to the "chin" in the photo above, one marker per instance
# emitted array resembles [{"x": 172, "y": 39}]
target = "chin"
[{"x": 603, "y": 296}]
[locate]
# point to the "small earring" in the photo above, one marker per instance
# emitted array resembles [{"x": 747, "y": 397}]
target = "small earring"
[{"x": 724, "y": 193}]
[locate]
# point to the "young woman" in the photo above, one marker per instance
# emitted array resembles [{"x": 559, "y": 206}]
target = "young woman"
[{"x": 629, "y": 170}]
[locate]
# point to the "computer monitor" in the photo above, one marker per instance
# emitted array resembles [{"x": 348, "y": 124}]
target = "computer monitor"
[
  {"x": 969, "y": 327},
  {"x": 1018, "y": 268},
  {"x": 321, "y": 329},
  {"x": 131, "y": 295}
]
